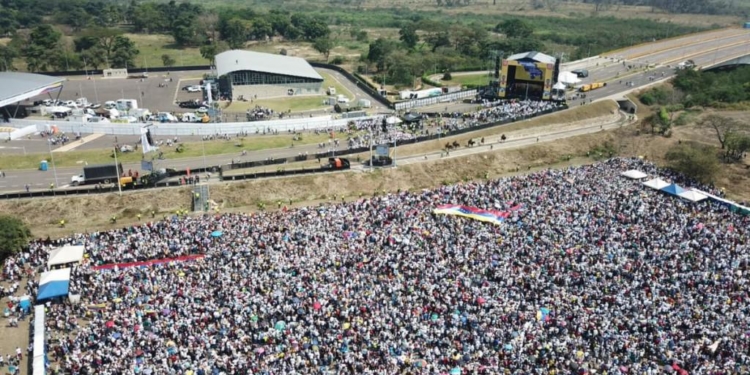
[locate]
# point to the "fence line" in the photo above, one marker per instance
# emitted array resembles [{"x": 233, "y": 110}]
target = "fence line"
[
  {"x": 185, "y": 129},
  {"x": 416, "y": 103}
]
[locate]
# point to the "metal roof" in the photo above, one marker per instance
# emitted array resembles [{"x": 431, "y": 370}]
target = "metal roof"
[
  {"x": 237, "y": 60},
  {"x": 536, "y": 56},
  {"x": 16, "y": 87}
]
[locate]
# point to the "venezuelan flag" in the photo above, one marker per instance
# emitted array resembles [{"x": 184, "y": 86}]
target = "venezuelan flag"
[{"x": 490, "y": 216}]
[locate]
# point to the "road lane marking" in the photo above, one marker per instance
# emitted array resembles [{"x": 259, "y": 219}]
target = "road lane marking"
[{"x": 74, "y": 144}]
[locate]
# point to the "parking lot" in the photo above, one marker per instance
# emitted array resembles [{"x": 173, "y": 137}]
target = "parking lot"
[{"x": 146, "y": 91}]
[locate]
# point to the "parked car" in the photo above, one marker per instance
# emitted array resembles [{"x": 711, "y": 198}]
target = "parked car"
[
  {"x": 191, "y": 104},
  {"x": 194, "y": 89}
]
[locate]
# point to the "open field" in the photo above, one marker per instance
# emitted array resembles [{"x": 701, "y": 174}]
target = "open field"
[
  {"x": 467, "y": 79},
  {"x": 192, "y": 149},
  {"x": 566, "y": 9},
  {"x": 152, "y": 47},
  {"x": 295, "y": 104}
]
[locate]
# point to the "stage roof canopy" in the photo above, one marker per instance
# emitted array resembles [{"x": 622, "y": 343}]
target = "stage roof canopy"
[{"x": 16, "y": 87}]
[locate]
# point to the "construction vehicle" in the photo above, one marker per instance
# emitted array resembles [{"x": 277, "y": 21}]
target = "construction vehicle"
[
  {"x": 105, "y": 173},
  {"x": 337, "y": 164},
  {"x": 592, "y": 86}
]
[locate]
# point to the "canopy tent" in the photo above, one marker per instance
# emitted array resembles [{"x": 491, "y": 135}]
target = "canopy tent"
[
  {"x": 568, "y": 78},
  {"x": 54, "y": 284},
  {"x": 656, "y": 183},
  {"x": 692, "y": 195},
  {"x": 39, "y": 362},
  {"x": 412, "y": 117},
  {"x": 64, "y": 255},
  {"x": 673, "y": 189},
  {"x": 734, "y": 206},
  {"x": 634, "y": 174},
  {"x": 559, "y": 86},
  {"x": 393, "y": 120}
]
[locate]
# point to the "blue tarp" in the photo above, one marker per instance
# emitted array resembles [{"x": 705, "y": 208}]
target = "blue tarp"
[
  {"x": 53, "y": 289},
  {"x": 673, "y": 189}
]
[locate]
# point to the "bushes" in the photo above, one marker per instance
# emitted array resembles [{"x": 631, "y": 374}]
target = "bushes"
[
  {"x": 447, "y": 76},
  {"x": 693, "y": 160},
  {"x": 427, "y": 80},
  {"x": 338, "y": 60}
]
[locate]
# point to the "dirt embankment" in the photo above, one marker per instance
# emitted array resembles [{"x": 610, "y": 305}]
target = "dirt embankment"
[{"x": 92, "y": 213}]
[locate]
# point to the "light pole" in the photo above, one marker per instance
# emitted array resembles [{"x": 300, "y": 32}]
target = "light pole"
[{"x": 52, "y": 158}]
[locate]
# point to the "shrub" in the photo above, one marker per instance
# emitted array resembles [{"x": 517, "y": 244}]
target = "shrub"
[
  {"x": 338, "y": 60},
  {"x": 447, "y": 76}
]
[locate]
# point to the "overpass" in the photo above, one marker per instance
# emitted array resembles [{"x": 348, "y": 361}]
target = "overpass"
[{"x": 728, "y": 64}]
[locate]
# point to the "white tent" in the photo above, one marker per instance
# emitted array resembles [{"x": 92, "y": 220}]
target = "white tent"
[
  {"x": 656, "y": 183},
  {"x": 559, "y": 86},
  {"x": 64, "y": 255},
  {"x": 692, "y": 195},
  {"x": 568, "y": 78},
  {"x": 393, "y": 120},
  {"x": 634, "y": 174}
]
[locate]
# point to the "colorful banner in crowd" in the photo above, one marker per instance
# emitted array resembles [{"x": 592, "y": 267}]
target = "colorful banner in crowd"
[
  {"x": 147, "y": 263},
  {"x": 490, "y": 216}
]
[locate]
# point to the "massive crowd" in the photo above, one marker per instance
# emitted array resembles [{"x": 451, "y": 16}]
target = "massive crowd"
[{"x": 591, "y": 273}]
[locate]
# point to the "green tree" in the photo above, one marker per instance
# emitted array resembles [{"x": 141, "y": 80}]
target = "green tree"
[
  {"x": 408, "y": 35},
  {"x": 515, "y": 28},
  {"x": 125, "y": 53},
  {"x": 324, "y": 46},
  {"x": 14, "y": 236},
  {"x": 438, "y": 39},
  {"x": 722, "y": 126},
  {"x": 41, "y": 50},
  {"x": 737, "y": 145},
  {"x": 261, "y": 29},
  {"x": 693, "y": 160},
  {"x": 379, "y": 50},
  {"x": 7, "y": 54},
  {"x": 101, "y": 39},
  {"x": 167, "y": 60},
  {"x": 209, "y": 51},
  {"x": 235, "y": 33}
]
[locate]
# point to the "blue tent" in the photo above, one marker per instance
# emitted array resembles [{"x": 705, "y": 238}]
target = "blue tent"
[
  {"x": 673, "y": 189},
  {"x": 217, "y": 233},
  {"x": 54, "y": 284}
]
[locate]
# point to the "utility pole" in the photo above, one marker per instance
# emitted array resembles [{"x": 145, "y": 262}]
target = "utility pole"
[{"x": 119, "y": 172}]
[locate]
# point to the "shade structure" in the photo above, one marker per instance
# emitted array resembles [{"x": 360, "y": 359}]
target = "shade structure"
[
  {"x": 66, "y": 254},
  {"x": 692, "y": 195},
  {"x": 54, "y": 284},
  {"x": 634, "y": 174},
  {"x": 393, "y": 120},
  {"x": 656, "y": 183},
  {"x": 568, "y": 78},
  {"x": 673, "y": 189}
]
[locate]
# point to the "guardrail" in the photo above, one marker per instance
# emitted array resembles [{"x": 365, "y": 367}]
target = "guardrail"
[
  {"x": 219, "y": 169},
  {"x": 416, "y": 103}
]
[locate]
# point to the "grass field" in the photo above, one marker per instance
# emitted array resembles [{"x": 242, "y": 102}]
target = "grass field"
[
  {"x": 152, "y": 47},
  {"x": 295, "y": 104},
  {"x": 192, "y": 149},
  {"x": 467, "y": 79}
]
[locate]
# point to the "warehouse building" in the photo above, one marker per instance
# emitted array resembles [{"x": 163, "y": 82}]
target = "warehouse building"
[{"x": 248, "y": 75}]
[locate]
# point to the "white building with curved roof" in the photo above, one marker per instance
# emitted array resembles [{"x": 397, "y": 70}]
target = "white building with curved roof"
[{"x": 249, "y": 75}]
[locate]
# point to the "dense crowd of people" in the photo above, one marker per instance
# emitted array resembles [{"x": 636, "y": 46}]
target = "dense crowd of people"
[{"x": 590, "y": 273}]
